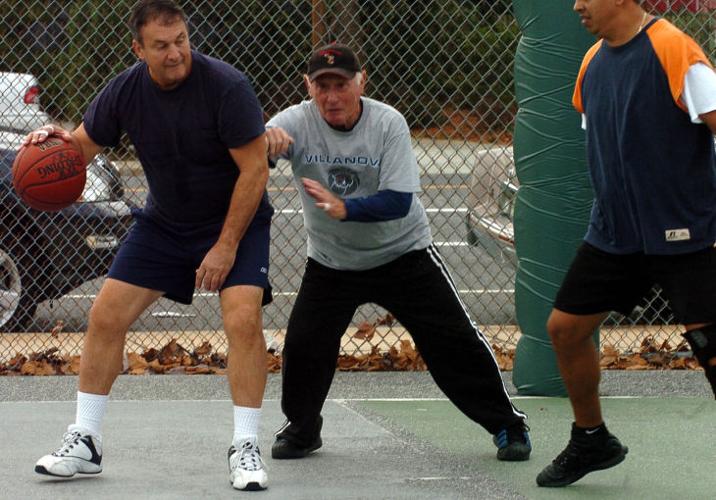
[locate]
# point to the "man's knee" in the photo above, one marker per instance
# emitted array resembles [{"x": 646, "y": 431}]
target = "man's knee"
[
  {"x": 105, "y": 320},
  {"x": 241, "y": 310},
  {"x": 243, "y": 325},
  {"x": 560, "y": 331},
  {"x": 565, "y": 329}
]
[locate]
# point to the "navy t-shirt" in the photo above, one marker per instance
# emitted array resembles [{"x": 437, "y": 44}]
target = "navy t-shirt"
[
  {"x": 182, "y": 138},
  {"x": 652, "y": 169}
]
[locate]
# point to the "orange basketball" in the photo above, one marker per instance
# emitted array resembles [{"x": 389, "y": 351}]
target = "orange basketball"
[{"x": 49, "y": 175}]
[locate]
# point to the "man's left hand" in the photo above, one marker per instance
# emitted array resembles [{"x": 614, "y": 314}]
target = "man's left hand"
[
  {"x": 215, "y": 267},
  {"x": 325, "y": 200}
]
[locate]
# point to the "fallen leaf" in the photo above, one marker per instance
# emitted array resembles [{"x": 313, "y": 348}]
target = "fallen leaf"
[
  {"x": 171, "y": 353},
  {"x": 136, "y": 364},
  {"x": 74, "y": 365},
  {"x": 37, "y": 368},
  {"x": 365, "y": 331},
  {"x": 57, "y": 329},
  {"x": 202, "y": 350},
  {"x": 198, "y": 370},
  {"x": 386, "y": 320}
]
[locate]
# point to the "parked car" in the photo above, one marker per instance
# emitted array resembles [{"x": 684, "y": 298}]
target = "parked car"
[
  {"x": 44, "y": 255},
  {"x": 20, "y": 103},
  {"x": 491, "y": 200},
  {"x": 493, "y": 187}
]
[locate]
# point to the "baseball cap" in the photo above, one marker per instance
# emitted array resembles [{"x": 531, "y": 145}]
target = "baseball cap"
[{"x": 334, "y": 58}]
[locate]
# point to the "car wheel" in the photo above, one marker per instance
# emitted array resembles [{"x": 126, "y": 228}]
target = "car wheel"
[{"x": 17, "y": 308}]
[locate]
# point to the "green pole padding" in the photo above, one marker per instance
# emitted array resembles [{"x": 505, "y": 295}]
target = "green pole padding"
[{"x": 555, "y": 196}]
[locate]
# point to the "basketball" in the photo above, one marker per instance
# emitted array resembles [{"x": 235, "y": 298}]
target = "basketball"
[{"x": 49, "y": 175}]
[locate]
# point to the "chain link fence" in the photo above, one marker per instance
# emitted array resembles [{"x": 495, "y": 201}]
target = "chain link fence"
[{"x": 446, "y": 65}]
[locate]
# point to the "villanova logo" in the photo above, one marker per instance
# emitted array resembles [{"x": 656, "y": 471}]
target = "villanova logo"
[{"x": 342, "y": 181}]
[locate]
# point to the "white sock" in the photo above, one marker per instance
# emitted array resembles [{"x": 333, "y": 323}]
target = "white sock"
[
  {"x": 90, "y": 411},
  {"x": 246, "y": 423}
]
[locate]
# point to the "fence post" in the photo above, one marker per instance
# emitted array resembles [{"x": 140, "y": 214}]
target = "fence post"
[{"x": 318, "y": 23}]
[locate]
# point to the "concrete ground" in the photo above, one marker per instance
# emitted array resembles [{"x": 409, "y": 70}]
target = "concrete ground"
[{"x": 386, "y": 435}]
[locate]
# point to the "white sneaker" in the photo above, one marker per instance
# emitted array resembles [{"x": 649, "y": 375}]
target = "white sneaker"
[
  {"x": 80, "y": 452},
  {"x": 247, "y": 469}
]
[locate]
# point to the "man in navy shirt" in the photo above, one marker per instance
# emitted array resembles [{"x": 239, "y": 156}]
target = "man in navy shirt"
[
  {"x": 197, "y": 127},
  {"x": 647, "y": 94}
]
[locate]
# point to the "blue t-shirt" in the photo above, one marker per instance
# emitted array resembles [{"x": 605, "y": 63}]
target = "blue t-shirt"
[
  {"x": 653, "y": 171},
  {"x": 182, "y": 138}
]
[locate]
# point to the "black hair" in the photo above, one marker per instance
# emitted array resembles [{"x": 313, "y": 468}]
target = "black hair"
[{"x": 144, "y": 11}]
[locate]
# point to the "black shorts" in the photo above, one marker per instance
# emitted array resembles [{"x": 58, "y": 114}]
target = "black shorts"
[
  {"x": 599, "y": 281},
  {"x": 155, "y": 258}
]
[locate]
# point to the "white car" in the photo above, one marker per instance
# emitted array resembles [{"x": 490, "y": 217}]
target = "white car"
[
  {"x": 493, "y": 188},
  {"x": 20, "y": 103}
]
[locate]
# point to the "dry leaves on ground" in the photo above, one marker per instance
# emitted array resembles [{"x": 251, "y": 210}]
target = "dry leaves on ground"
[
  {"x": 650, "y": 356},
  {"x": 367, "y": 330},
  {"x": 173, "y": 358}
]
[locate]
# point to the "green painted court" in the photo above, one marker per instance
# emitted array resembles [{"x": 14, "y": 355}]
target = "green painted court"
[{"x": 672, "y": 445}]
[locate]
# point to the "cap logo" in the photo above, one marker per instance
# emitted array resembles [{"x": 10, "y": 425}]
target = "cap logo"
[{"x": 330, "y": 55}]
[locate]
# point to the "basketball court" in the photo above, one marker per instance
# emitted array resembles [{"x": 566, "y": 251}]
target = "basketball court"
[{"x": 386, "y": 435}]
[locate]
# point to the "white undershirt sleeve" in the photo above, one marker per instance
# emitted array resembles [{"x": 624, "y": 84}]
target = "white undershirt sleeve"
[{"x": 699, "y": 95}]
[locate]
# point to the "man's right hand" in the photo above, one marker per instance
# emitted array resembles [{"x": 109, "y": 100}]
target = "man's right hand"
[
  {"x": 278, "y": 141},
  {"x": 46, "y": 131}
]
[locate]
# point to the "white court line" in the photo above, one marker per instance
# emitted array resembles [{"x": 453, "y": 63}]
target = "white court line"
[
  {"x": 338, "y": 400},
  {"x": 451, "y": 244},
  {"x": 409, "y": 400},
  {"x": 476, "y": 291},
  {"x": 459, "y": 210}
]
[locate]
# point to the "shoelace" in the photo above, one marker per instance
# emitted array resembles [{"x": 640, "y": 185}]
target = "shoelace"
[
  {"x": 570, "y": 456},
  {"x": 69, "y": 440},
  {"x": 248, "y": 457}
]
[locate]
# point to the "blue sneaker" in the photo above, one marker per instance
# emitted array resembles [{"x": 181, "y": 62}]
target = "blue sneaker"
[{"x": 513, "y": 443}]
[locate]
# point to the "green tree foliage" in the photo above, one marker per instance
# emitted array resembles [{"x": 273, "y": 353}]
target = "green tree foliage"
[
  {"x": 269, "y": 41},
  {"x": 428, "y": 58},
  {"x": 426, "y": 55},
  {"x": 98, "y": 47}
]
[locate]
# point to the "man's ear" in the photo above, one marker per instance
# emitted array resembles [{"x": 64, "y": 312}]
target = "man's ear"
[
  {"x": 137, "y": 49},
  {"x": 307, "y": 83},
  {"x": 364, "y": 79}
]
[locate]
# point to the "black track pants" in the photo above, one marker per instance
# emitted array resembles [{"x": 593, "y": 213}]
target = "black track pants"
[{"x": 417, "y": 289}]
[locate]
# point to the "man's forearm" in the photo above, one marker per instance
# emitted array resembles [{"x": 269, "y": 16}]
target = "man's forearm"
[{"x": 248, "y": 191}]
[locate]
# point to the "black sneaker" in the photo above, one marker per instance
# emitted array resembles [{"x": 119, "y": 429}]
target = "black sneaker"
[
  {"x": 513, "y": 443},
  {"x": 284, "y": 448},
  {"x": 580, "y": 457}
]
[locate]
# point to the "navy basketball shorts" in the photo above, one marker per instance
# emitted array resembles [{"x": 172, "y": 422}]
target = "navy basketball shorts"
[
  {"x": 599, "y": 281},
  {"x": 155, "y": 258}
]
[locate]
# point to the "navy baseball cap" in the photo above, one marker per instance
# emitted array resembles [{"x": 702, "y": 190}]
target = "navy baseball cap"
[{"x": 335, "y": 58}]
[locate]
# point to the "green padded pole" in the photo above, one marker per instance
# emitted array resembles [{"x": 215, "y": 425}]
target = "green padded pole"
[{"x": 555, "y": 196}]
